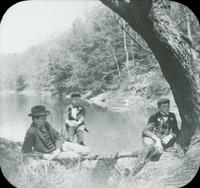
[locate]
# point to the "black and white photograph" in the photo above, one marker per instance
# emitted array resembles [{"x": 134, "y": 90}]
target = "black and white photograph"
[{"x": 99, "y": 94}]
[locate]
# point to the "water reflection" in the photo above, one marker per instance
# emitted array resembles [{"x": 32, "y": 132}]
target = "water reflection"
[{"x": 109, "y": 132}]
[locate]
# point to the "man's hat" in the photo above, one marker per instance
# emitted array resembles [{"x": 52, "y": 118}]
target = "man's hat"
[
  {"x": 75, "y": 95},
  {"x": 39, "y": 110},
  {"x": 163, "y": 101}
]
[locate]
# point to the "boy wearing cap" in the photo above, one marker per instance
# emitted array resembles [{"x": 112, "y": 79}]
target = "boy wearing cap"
[
  {"x": 161, "y": 133},
  {"x": 43, "y": 139},
  {"x": 162, "y": 129},
  {"x": 74, "y": 117}
]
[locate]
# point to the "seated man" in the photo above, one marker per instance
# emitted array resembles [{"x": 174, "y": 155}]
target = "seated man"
[
  {"x": 162, "y": 130},
  {"x": 74, "y": 117},
  {"x": 43, "y": 138}
]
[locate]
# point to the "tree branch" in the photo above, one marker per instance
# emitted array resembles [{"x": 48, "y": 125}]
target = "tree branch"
[{"x": 122, "y": 27}]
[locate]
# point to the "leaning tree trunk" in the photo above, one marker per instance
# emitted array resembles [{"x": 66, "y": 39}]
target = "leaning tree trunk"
[{"x": 150, "y": 19}]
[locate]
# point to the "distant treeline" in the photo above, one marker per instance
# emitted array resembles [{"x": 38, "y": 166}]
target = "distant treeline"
[{"x": 99, "y": 53}]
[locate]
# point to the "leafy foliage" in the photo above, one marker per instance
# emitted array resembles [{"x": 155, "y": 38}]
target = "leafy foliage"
[{"x": 92, "y": 56}]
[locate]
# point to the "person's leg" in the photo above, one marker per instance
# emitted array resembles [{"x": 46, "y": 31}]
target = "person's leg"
[
  {"x": 151, "y": 152},
  {"x": 149, "y": 149},
  {"x": 170, "y": 144},
  {"x": 80, "y": 137},
  {"x": 147, "y": 142},
  {"x": 71, "y": 133},
  {"x": 67, "y": 154},
  {"x": 144, "y": 155},
  {"x": 70, "y": 146}
]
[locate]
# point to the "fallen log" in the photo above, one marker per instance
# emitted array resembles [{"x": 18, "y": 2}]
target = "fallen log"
[{"x": 117, "y": 156}]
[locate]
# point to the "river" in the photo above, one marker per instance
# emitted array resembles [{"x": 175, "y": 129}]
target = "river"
[{"x": 110, "y": 132}]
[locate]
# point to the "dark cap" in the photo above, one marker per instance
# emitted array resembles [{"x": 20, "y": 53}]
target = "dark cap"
[
  {"x": 75, "y": 95},
  {"x": 163, "y": 101},
  {"x": 39, "y": 110}
]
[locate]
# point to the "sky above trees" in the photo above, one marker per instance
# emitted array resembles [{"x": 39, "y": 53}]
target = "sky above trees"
[{"x": 29, "y": 23}]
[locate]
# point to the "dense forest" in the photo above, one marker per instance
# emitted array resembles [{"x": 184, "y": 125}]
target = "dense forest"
[{"x": 99, "y": 53}]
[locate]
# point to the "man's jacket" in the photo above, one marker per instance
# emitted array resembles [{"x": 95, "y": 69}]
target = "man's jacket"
[
  {"x": 161, "y": 126},
  {"x": 35, "y": 139}
]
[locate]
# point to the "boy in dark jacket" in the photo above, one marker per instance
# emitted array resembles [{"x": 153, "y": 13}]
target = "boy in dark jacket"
[
  {"x": 160, "y": 134},
  {"x": 162, "y": 129}
]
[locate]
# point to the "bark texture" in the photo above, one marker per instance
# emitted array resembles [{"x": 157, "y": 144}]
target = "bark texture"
[{"x": 150, "y": 19}]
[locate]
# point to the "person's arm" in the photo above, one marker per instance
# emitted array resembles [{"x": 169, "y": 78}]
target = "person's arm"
[
  {"x": 54, "y": 133},
  {"x": 28, "y": 143},
  {"x": 81, "y": 116},
  {"x": 149, "y": 134},
  {"x": 67, "y": 121},
  {"x": 148, "y": 130},
  {"x": 81, "y": 120},
  {"x": 174, "y": 131},
  {"x": 66, "y": 115},
  {"x": 58, "y": 137},
  {"x": 28, "y": 146}
]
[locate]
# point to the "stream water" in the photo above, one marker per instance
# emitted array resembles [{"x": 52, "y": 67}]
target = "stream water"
[{"x": 110, "y": 132}]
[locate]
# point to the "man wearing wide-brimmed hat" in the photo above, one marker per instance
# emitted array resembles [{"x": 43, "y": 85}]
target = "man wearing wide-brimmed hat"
[
  {"x": 43, "y": 138},
  {"x": 74, "y": 117}
]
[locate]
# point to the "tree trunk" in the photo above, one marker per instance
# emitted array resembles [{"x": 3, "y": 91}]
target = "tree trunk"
[
  {"x": 133, "y": 54},
  {"x": 149, "y": 18},
  {"x": 190, "y": 34},
  {"x": 126, "y": 50},
  {"x": 116, "y": 62},
  {"x": 75, "y": 69}
]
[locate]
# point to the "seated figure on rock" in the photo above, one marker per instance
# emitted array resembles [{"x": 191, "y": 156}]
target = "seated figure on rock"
[
  {"x": 161, "y": 131},
  {"x": 42, "y": 138}
]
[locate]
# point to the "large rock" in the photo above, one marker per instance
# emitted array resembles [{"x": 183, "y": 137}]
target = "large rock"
[{"x": 100, "y": 100}]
